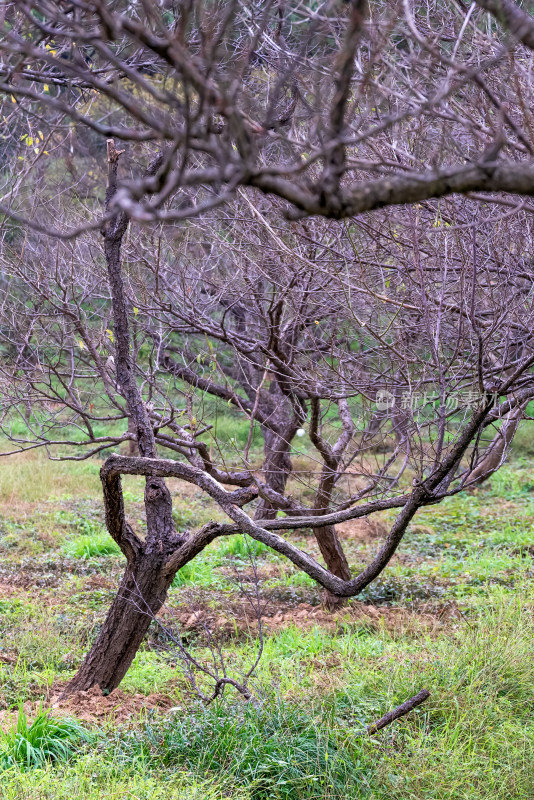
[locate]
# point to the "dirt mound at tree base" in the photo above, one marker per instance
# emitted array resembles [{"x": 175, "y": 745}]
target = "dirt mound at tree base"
[
  {"x": 92, "y": 706},
  {"x": 119, "y": 706}
]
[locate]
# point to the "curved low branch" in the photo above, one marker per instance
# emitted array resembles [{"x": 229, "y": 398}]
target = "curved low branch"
[
  {"x": 119, "y": 529},
  {"x": 420, "y": 496}
]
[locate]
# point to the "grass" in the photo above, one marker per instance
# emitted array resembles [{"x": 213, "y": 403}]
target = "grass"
[
  {"x": 32, "y": 478},
  {"x": 90, "y": 778},
  {"x": 46, "y": 740},
  {"x": 91, "y": 546},
  {"x": 271, "y": 751},
  {"x": 462, "y": 583},
  {"x": 242, "y": 547}
]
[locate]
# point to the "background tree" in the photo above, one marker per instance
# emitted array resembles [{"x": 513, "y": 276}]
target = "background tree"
[{"x": 304, "y": 323}]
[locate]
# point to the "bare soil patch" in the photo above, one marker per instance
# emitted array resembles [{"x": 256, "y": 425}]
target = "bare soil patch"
[
  {"x": 92, "y": 706},
  {"x": 240, "y": 618},
  {"x": 363, "y": 530}
]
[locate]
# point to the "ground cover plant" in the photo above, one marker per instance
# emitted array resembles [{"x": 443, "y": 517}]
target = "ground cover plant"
[
  {"x": 44, "y": 740},
  {"x": 461, "y": 624}
]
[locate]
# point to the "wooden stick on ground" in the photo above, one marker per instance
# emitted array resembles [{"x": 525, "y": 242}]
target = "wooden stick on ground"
[{"x": 400, "y": 711}]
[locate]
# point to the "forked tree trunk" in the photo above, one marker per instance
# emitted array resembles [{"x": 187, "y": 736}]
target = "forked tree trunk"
[
  {"x": 335, "y": 560},
  {"x": 277, "y": 468},
  {"x": 327, "y": 538}
]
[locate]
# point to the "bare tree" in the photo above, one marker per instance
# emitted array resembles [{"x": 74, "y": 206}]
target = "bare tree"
[{"x": 399, "y": 339}]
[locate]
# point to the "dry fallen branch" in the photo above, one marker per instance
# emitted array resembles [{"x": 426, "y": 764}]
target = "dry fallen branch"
[{"x": 398, "y": 712}]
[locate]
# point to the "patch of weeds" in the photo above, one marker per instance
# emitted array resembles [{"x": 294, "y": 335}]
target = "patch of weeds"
[
  {"x": 293, "y": 594},
  {"x": 204, "y": 572},
  {"x": 45, "y": 740},
  {"x": 11, "y": 610},
  {"x": 423, "y": 544},
  {"x": 480, "y": 566},
  {"x": 150, "y": 672},
  {"x": 511, "y": 536},
  {"x": 272, "y": 751},
  {"x": 91, "y": 545},
  {"x": 20, "y": 537},
  {"x": 292, "y": 642},
  {"x": 89, "y": 777},
  {"x": 510, "y": 482},
  {"x": 458, "y": 514},
  {"x": 198, "y": 572},
  {"x": 192, "y": 512},
  {"x": 523, "y": 441},
  {"x": 132, "y": 497},
  {"x": 27, "y": 477},
  {"x": 93, "y": 600},
  {"x": 287, "y": 579},
  {"x": 242, "y": 547},
  {"x": 41, "y": 640}
]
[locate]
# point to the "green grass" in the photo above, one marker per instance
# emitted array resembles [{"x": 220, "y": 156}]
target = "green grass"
[
  {"x": 199, "y": 572},
  {"x": 272, "y": 751},
  {"x": 472, "y": 740},
  {"x": 242, "y": 547},
  {"x": 31, "y": 478},
  {"x": 91, "y": 546},
  {"x": 45, "y": 740},
  {"x": 316, "y": 687},
  {"x": 90, "y": 777}
]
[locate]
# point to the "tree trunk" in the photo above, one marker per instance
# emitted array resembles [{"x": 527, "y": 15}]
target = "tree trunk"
[
  {"x": 141, "y": 594},
  {"x": 133, "y": 448},
  {"x": 276, "y": 467},
  {"x": 335, "y": 560},
  {"x": 144, "y": 586}
]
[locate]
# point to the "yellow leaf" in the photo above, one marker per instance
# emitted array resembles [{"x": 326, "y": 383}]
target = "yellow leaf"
[
  {"x": 110, "y": 334},
  {"x": 41, "y": 134},
  {"x": 136, "y": 311},
  {"x": 46, "y": 87},
  {"x": 13, "y": 99},
  {"x": 81, "y": 344},
  {"x": 29, "y": 141}
]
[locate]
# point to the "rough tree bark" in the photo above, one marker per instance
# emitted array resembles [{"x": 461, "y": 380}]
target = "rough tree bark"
[{"x": 277, "y": 465}]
